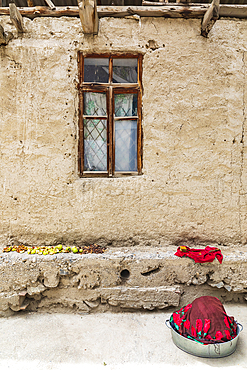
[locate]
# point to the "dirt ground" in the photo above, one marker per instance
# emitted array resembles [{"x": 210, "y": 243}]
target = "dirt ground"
[{"x": 104, "y": 340}]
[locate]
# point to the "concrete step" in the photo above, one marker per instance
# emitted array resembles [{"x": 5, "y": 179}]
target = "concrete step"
[{"x": 113, "y": 341}]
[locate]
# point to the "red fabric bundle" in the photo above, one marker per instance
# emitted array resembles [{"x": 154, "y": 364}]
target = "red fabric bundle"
[
  {"x": 207, "y": 254},
  {"x": 204, "y": 321}
]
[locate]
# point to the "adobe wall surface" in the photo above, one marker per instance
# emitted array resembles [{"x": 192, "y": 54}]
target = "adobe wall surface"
[{"x": 193, "y": 188}]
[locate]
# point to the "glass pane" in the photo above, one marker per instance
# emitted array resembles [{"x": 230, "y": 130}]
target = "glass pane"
[
  {"x": 96, "y": 70},
  {"x": 95, "y": 145},
  {"x": 125, "y": 145},
  {"x": 125, "y": 70},
  {"x": 94, "y": 104},
  {"x": 125, "y": 105}
]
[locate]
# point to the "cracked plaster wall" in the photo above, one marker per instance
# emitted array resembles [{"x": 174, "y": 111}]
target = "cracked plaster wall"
[{"x": 193, "y": 187}]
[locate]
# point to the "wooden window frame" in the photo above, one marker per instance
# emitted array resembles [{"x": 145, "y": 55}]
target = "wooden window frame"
[{"x": 110, "y": 89}]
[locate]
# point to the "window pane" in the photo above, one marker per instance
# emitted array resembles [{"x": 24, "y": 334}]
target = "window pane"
[
  {"x": 125, "y": 145},
  {"x": 125, "y": 105},
  {"x": 96, "y": 70},
  {"x": 95, "y": 145},
  {"x": 125, "y": 70},
  {"x": 95, "y": 104}
]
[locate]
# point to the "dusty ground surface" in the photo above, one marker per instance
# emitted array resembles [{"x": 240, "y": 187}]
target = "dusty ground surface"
[{"x": 104, "y": 340}]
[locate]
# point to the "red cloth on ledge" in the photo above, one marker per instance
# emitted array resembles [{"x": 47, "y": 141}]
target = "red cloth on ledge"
[{"x": 207, "y": 254}]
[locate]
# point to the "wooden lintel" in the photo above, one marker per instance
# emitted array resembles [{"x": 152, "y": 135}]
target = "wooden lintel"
[
  {"x": 15, "y": 16},
  {"x": 169, "y": 11}
]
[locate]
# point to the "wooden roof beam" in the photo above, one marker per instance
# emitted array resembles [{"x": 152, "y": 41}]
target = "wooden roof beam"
[
  {"x": 210, "y": 17},
  {"x": 30, "y": 3},
  {"x": 15, "y": 16},
  {"x": 50, "y": 4},
  {"x": 89, "y": 16},
  {"x": 166, "y": 11}
]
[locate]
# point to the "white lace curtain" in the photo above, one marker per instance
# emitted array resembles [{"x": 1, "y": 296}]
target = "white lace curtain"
[{"x": 95, "y": 133}]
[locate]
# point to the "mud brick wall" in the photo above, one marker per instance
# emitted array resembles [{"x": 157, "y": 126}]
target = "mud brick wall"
[{"x": 193, "y": 186}]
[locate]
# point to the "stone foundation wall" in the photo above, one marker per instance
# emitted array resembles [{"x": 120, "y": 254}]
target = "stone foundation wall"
[
  {"x": 193, "y": 186},
  {"x": 116, "y": 280}
]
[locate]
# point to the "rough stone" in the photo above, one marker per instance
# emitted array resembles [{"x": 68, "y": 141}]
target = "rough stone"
[
  {"x": 31, "y": 290},
  {"x": 147, "y": 298}
]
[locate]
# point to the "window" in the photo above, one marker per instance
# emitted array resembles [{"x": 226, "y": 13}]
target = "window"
[{"x": 110, "y": 133}]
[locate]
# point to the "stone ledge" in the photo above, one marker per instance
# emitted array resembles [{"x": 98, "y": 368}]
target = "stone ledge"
[{"x": 121, "y": 279}]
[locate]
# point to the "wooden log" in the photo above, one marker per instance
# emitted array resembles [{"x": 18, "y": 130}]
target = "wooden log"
[
  {"x": 50, "y": 4},
  {"x": 152, "y": 10},
  {"x": 2, "y": 38},
  {"x": 88, "y": 16},
  {"x": 15, "y": 16},
  {"x": 44, "y": 11},
  {"x": 182, "y": 1},
  {"x": 172, "y": 5},
  {"x": 179, "y": 11},
  {"x": 210, "y": 17}
]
